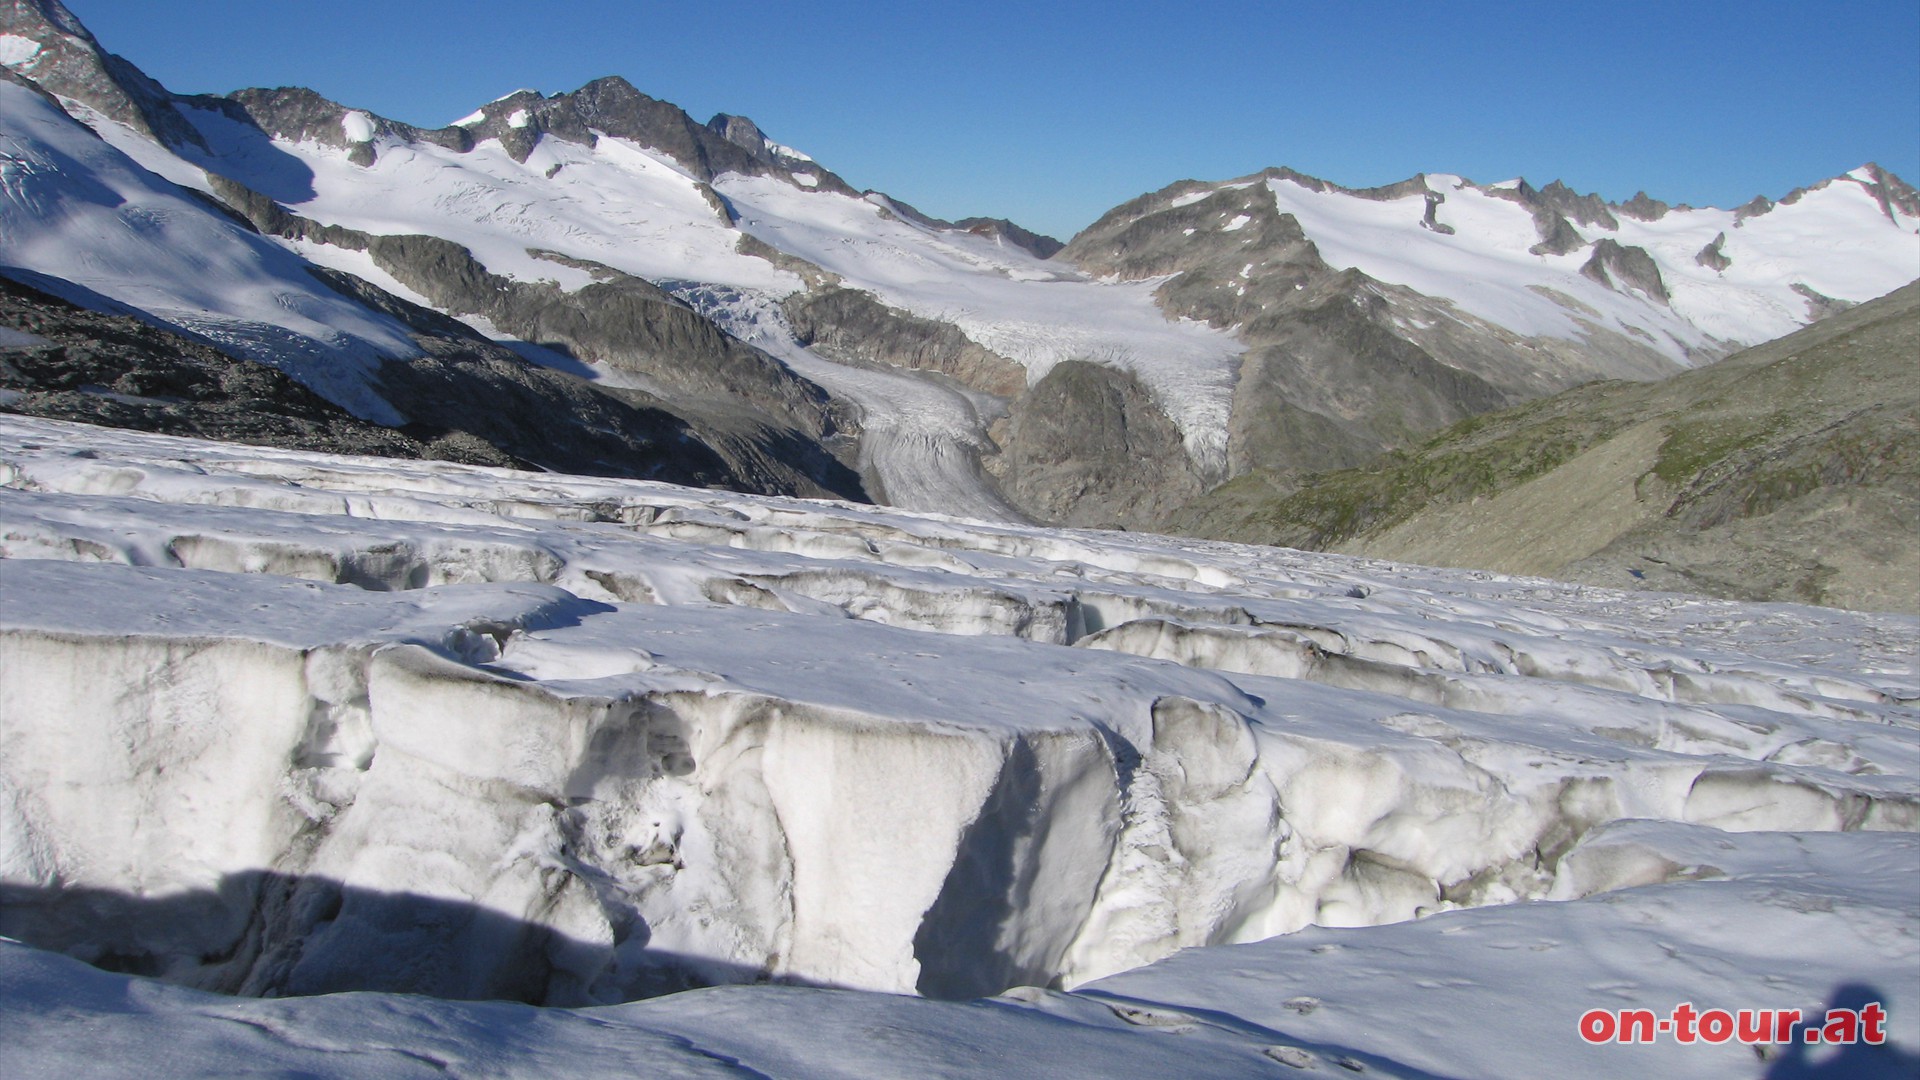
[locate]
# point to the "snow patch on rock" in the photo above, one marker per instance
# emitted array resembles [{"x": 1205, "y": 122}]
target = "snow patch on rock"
[
  {"x": 16, "y": 50},
  {"x": 357, "y": 126}
]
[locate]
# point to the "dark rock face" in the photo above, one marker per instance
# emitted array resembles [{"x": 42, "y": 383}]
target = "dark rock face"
[
  {"x": 1712, "y": 257},
  {"x": 419, "y": 319},
  {"x": 1618, "y": 266},
  {"x": 1891, "y": 192},
  {"x": 743, "y": 133},
  {"x": 1040, "y": 245},
  {"x": 850, "y": 325},
  {"x": 614, "y": 106},
  {"x": 620, "y": 321},
  {"x": 1759, "y": 205},
  {"x": 747, "y": 135},
  {"x": 1159, "y": 238},
  {"x": 813, "y": 275},
  {"x": 1820, "y": 305},
  {"x": 1089, "y": 447},
  {"x": 1643, "y": 208},
  {"x": 551, "y": 420},
  {"x": 116, "y": 371},
  {"x": 1557, "y": 237},
  {"x": 1589, "y": 209},
  {"x": 1331, "y": 382}
]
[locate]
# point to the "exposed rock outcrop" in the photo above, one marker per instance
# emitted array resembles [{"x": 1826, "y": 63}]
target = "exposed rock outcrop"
[
  {"x": 1620, "y": 267},
  {"x": 1644, "y": 208},
  {"x": 619, "y": 320},
  {"x": 1041, "y": 245},
  {"x": 851, "y": 325},
  {"x": 1088, "y": 446},
  {"x": 67, "y": 363},
  {"x": 1712, "y": 257}
]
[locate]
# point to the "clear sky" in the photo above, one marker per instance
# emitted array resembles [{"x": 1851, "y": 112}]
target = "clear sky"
[{"x": 1051, "y": 113}]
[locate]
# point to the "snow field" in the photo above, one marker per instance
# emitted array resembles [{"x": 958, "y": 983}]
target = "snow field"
[
  {"x": 74, "y": 208},
  {"x": 1835, "y": 240}
]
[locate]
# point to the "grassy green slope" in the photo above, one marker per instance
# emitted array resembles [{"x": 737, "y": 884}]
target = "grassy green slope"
[{"x": 1790, "y": 471}]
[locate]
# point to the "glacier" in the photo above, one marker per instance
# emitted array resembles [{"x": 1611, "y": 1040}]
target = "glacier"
[
  {"x": 281, "y": 724},
  {"x": 103, "y": 232}
]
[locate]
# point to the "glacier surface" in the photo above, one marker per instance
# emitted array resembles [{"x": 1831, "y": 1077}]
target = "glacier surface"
[{"x": 284, "y": 724}]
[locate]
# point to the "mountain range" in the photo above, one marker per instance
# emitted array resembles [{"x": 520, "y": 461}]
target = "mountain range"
[
  {"x": 697, "y": 301},
  {"x": 581, "y": 591}
]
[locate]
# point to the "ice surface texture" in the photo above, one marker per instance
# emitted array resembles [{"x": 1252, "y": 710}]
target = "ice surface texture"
[{"x": 300, "y": 723}]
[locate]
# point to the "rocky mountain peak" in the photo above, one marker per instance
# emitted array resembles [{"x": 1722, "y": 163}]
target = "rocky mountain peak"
[
  {"x": 742, "y": 133},
  {"x": 47, "y": 14},
  {"x": 1588, "y": 209},
  {"x": 1046, "y": 247},
  {"x": 1893, "y": 193},
  {"x": 1643, "y": 207},
  {"x": 55, "y": 50}
]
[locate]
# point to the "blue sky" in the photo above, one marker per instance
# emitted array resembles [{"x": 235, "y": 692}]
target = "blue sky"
[{"x": 1052, "y": 113}]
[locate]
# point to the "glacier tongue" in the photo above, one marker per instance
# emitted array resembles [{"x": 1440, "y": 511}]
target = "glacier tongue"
[{"x": 283, "y": 723}]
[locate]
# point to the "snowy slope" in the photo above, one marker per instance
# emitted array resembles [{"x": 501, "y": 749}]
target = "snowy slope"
[
  {"x": 482, "y": 734},
  {"x": 75, "y": 209},
  {"x": 1836, "y": 240},
  {"x": 1034, "y": 312},
  {"x": 639, "y": 211},
  {"x": 614, "y": 203}
]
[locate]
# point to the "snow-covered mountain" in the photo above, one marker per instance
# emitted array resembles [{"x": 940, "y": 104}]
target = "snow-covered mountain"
[
  {"x": 1275, "y": 321},
  {"x": 93, "y": 225},
  {"x": 1375, "y": 315},
  {"x": 980, "y": 797}
]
